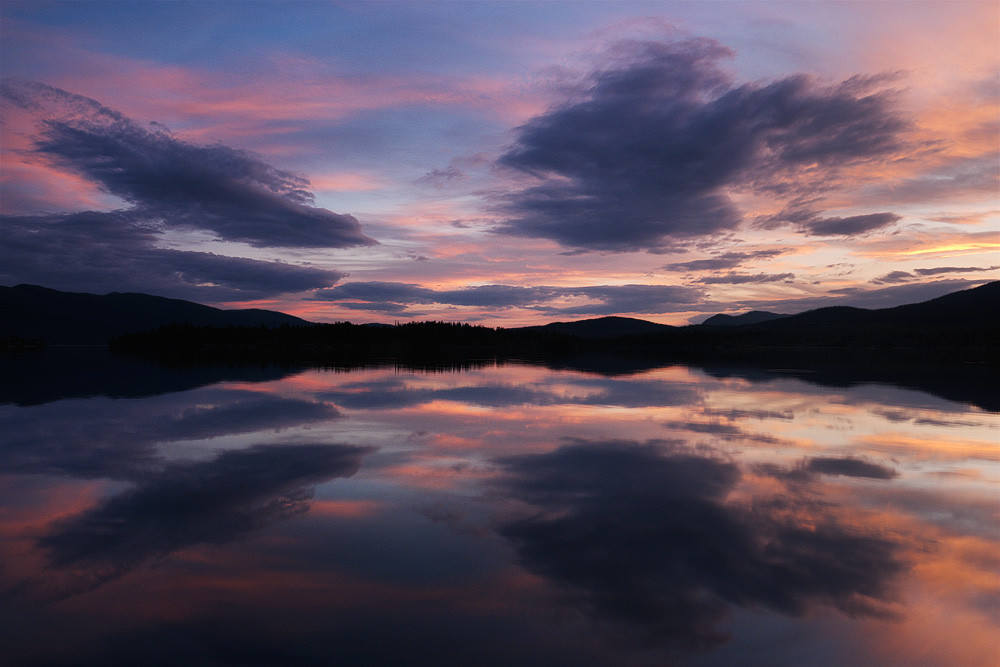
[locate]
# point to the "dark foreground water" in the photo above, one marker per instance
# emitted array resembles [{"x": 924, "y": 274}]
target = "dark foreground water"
[{"x": 502, "y": 515}]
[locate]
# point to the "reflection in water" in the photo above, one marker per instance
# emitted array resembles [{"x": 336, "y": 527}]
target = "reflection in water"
[
  {"x": 646, "y": 533},
  {"x": 191, "y": 503},
  {"x": 118, "y": 439},
  {"x": 499, "y": 515}
]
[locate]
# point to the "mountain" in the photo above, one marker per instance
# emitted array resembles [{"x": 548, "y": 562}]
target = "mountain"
[
  {"x": 979, "y": 306},
  {"x": 56, "y": 317},
  {"x": 602, "y": 327},
  {"x": 969, "y": 318},
  {"x": 753, "y": 317}
]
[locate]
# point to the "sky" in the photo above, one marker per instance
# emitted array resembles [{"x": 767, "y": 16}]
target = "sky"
[{"x": 502, "y": 163}]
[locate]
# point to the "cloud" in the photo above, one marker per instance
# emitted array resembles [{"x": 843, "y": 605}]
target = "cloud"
[
  {"x": 648, "y": 153},
  {"x": 894, "y": 277},
  {"x": 192, "y": 503},
  {"x": 850, "y": 467},
  {"x": 168, "y": 184},
  {"x": 230, "y": 192},
  {"x": 744, "y": 278},
  {"x": 395, "y": 297},
  {"x": 440, "y": 178},
  {"x": 953, "y": 269},
  {"x": 810, "y": 222},
  {"x": 645, "y": 536},
  {"x": 104, "y": 252},
  {"x": 727, "y": 260}
]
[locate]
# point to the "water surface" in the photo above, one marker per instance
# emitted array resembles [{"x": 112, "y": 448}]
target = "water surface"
[{"x": 497, "y": 515}]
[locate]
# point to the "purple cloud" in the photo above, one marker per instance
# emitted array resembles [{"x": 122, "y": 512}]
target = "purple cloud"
[
  {"x": 728, "y": 260},
  {"x": 168, "y": 184},
  {"x": 106, "y": 252},
  {"x": 810, "y": 222},
  {"x": 954, "y": 269},
  {"x": 745, "y": 278},
  {"x": 647, "y": 153},
  {"x": 893, "y": 277},
  {"x": 230, "y": 192},
  {"x": 394, "y": 297}
]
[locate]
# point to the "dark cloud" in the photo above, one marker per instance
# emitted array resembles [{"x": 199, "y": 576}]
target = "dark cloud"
[
  {"x": 849, "y": 226},
  {"x": 894, "y": 277},
  {"x": 394, "y": 297},
  {"x": 646, "y": 154},
  {"x": 850, "y": 467},
  {"x": 812, "y": 223},
  {"x": 954, "y": 269},
  {"x": 728, "y": 260},
  {"x": 644, "y": 535},
  {"x": 104, "y": 252},
  {"x": 192, "y": 503},
  {"x": 230, "y": 192},
  {"x": 169, "y": 184},
  {"x": 745, "y": 278}
]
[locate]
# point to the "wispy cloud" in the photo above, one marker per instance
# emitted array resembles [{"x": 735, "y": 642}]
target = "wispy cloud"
[
  {"x": 747, "y": 278},
  {"x": 726, "y": 260}
]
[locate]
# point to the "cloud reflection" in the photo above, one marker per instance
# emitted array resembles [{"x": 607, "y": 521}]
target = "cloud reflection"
[
  {"x": 644, "y": 534},
  {"x": 193, "y": 503},
  {"x": 396, "y": 393},
  {"x": 118, "y": 439}
]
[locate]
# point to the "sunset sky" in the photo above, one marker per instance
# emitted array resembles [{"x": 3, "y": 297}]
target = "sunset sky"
[{"x": 502, "y": 163}]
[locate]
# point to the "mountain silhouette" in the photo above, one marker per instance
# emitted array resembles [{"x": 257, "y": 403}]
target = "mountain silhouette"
[
  {"x": 602, "y": 327},
  {"x": 969, "y": 318},
  {"x": 753, "y": 317},
  {"x": 55, "y": 317}
]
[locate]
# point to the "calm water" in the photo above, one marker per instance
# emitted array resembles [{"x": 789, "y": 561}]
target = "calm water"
[{"x": 503, "y": 515}]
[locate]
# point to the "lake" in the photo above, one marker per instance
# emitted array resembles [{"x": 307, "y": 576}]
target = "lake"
[{"x": 496, "y": 514}]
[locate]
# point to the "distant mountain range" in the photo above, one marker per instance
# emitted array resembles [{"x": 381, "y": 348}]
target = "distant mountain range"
[
  {"x": 969, "y": 318},
  {"x": 55, "y": 317}
]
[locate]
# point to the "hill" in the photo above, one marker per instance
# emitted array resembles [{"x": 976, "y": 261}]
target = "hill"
[
  {"x": 970, "y": 319},
  {"x": 753, "y": 317},
  {"x": 953, "y": 319},
  {"x": 56, "y": 317},
  {"x": 602, "y": 327}
]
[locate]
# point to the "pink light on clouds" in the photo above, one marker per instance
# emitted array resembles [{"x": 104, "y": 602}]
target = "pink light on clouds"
[{"x": 338, "y": 182}]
